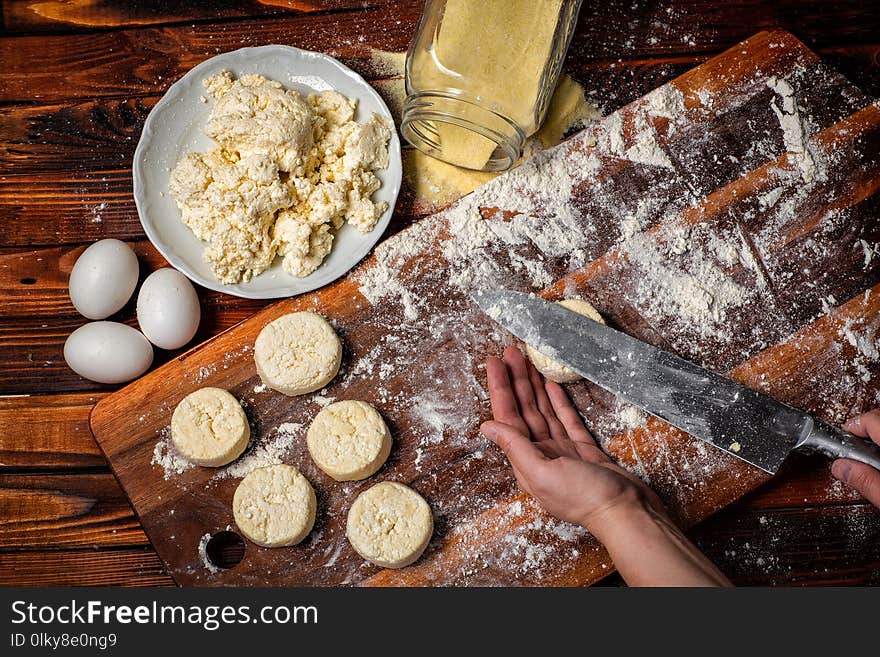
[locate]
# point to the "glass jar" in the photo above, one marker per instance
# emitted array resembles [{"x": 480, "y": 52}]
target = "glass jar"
[{"x": 480, "y": 75}]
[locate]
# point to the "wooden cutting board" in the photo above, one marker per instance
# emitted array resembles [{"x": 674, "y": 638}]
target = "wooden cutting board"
[{"x": 729, "y": 217}]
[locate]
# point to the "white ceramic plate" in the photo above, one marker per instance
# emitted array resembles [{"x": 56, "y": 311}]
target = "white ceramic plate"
[{"x": 175, "y": 127}]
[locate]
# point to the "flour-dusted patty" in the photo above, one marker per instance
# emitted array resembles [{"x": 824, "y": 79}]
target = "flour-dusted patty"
[
  {"x": 349, "y": 440},
  {"x": 275, "y": 506},
  {"x": 547, "y": 366},
  {"x": 209, "y": 427},
  {"x": 297, "y": 353},
  {"x": 390, "y": 525}
]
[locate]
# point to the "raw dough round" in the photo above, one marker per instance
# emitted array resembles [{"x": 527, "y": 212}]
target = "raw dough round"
[
  {"x": 390, "y": 525},
  {"x": 275, "y": 506},
  {"x": 297, "y": 353},
  {"x": 549, "y": 367},
  {"x": 209, "y": 427},
  {"x": 349, "y": 440}
]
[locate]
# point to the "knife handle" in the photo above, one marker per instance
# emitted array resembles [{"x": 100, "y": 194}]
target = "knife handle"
[{"x": 839, "y": 444}]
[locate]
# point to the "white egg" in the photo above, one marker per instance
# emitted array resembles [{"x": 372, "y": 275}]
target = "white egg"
[
  {"x": 168, "y": 309},
  {"x": 108, "y": 352},
  {"x": 103, "y": 279}
]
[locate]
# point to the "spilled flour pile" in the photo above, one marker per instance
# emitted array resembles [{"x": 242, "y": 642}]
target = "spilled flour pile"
[
  {"x": 267, "y": 450},
  {"x": 167, "y": 457}
]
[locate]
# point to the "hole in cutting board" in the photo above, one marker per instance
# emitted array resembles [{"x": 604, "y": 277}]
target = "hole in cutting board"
[{"x": 225, "y": 549}]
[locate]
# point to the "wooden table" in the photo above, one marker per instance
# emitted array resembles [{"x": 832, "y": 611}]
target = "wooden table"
[{"x": 77, "y": 82}]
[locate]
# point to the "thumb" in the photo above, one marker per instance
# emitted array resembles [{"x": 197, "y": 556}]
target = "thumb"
[
  {"x": 522, "y": 453},
  {"x": 860, "y": 476}
]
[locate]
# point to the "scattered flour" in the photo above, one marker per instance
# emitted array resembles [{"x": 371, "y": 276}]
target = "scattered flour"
[
  {"x": 322, "y": 400},
  {"x": 166, "y": 457},
  {"x": 870, "y": 250},
  {"x": 203, "y": 554},
  {"x": 269, "y": 450},
  {"x": 533, "y": 545},
  {"x": 793, "y": 133},
  {"x": 97, "y": 213},
  {"x": 866, "y": 344},
  {"x": 682, "y": 283}
]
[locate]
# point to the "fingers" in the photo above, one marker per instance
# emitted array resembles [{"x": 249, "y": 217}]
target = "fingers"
[
  {"x": 860, "y": 476},
  {"x": 567, "y": 414},
  {"x": 866, "y": 425},
  {"x": 557, "y": 430},
  {"x": 523, "y": 454},
  {"x": 525, "y": 394},
  {"x": 504, "y": 406}
]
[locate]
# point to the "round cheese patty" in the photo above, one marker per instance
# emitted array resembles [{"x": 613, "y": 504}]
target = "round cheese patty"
[
  {"x": 349, "y": 440},
  {"x": 209, "y": 427},
  {"x": 549, "y": 367},
  {"x": 389, "y": 525},
  {"x": 275, "y": 506},
  {"x": 297, "y": 353}
]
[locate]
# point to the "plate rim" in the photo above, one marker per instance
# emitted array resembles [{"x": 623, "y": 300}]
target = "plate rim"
[{"x": 283, "y": 290}]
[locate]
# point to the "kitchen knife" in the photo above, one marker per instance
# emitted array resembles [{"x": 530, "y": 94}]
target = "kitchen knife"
[{"x": 742, "y": 422}]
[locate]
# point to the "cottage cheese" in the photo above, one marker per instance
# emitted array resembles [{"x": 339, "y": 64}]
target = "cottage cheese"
[{"x": 288, "y": 171}]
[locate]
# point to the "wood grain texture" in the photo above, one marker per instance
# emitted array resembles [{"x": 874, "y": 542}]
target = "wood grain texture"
[
  {"x": 29, "y": 16},
  {"x": 50, "y": 431},
  {"x": 142, "y": 61},
  {"x": 145, "y": 61},
  {"x": 65, "y": 511},
  {"x": 83, "y": 568},
  {"x": 479, "y": 515},
  {"x": 835, "y": 546}
]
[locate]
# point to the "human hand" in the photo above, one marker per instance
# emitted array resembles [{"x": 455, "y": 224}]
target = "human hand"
[
  {"x": 861, "y": 476},
  {"x": 554, "y": 457}
]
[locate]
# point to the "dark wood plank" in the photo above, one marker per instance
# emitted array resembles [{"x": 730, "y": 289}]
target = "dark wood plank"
[
  {"x": 90, "y": 135},
  {"x": 129, "y": 567},
  {"x": 776, "y": 547},
  {"x": 612, "y": 30},
  {"x": 48, "y": 431},
  {"x": 27, "y": 16},
  {"x": 828, "y": 546},
  {"x": 54, "y": 511},
  {"x": 803, "y": 481},
  {"x": 145, "y": 61},
  {"x": 142, "y": 61}
]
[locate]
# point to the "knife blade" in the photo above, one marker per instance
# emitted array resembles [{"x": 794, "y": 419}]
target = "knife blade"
[{"x": 746, "y": 424}]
